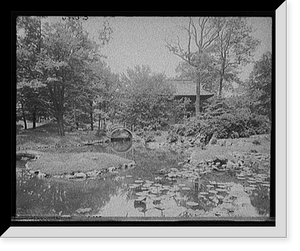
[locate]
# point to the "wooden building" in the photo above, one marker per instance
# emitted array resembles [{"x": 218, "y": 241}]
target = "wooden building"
[{"x": 187, "y": 89}]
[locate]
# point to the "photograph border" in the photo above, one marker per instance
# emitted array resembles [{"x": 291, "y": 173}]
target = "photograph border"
[{"x": 187, "y": 228}]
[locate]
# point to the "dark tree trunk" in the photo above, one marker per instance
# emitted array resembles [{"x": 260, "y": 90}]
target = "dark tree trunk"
[
  {"x": 220, "y": 86},
  {"x": 23, "y": 115},
  {"x": 57, "y": 97},
  {"x": 197, "y": 103},
  {"x": 104, "y": 119},
  {"x": 99, "y": 123},
  {"x": 34, "y": 119},
  {"x": 60, "y": 124},
  {"x": 91, "y": 115},
  {"x": 222, "y": 73},
  {"x": 75, "y": 116},
  {"x": 92, "y": 121}
]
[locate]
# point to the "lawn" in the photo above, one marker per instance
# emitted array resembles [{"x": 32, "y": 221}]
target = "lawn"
[
  {"x": 61, "y": 163},
  {"x": 240, "y": 145},
  {"x": 46, "y": 135},
  {"x": 42, "y": 140}
]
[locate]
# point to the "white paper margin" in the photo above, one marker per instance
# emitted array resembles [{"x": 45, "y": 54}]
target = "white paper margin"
[{"x": 280, "y": 230}]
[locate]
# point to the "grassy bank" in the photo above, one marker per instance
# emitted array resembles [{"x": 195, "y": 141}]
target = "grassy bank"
[
  {"x": 46, "y": 135},
  {"x": 43, "y": 139},
  {"x": 227, "y": 148},
  {"x": 61, "y": 163}
]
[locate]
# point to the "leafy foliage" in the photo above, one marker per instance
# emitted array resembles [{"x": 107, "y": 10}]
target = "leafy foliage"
[
  {"x": 223, "y": 121},
  {"x": 53, "y": 63},
  {"x": 260, "y": 85},
  {"x": 147, "y": 98}
]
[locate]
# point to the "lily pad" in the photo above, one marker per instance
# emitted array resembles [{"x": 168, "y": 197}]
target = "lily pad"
[
  {"x": 265, "y": 184},
  {"x": 192, "y": 203},
  {"x": 149, "y": 181},
  {"x": 203, "y": 193},
  {"x": 138, "y": 181},
  {"x": 185, "y": 188},
  {"x": 134, "y": 185},
  {"x": 142, "y": 193},
  {"x": 141, "y": 198}
]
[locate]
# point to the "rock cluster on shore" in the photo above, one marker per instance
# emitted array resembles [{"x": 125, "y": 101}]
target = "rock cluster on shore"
[{"x": 75, "y": 165}]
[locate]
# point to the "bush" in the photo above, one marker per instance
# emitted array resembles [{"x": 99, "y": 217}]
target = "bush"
[
  {"x": 172, "y": 137},
  {"x": 149, "y": 137},
  {"x": 223, "y": 122},
  {"x": 237, "y": 125}
]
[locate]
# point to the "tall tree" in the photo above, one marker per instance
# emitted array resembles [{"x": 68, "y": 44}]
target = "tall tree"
[
  {"x": 234, "y": 46},
  {"x": 59, "y": 65},
  {"x": 28, "y": 49},
  {"x": 102, "y": 92},
  {"x": 202, "y": 33},
  {"x": 260, "y": 85},
  {"x": 147, "y": 98}
]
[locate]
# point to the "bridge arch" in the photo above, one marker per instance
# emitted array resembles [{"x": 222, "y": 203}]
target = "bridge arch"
[{"x": 114, "y": 130}]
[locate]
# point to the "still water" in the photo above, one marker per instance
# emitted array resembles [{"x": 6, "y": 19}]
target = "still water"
[{"x": 159, "y": 186}]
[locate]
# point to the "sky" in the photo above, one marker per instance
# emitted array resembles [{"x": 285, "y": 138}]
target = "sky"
[{"x": 142, "y": 41}]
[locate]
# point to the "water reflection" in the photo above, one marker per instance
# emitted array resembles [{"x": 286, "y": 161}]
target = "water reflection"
[
  {"x": 109, "y": 196},
  {"x": 48, "y": 197},
  {"x": 156, "y": 187},
  {"x": 121, "y": 133}
]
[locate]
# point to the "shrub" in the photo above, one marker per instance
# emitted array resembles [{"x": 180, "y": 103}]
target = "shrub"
[
  {"x": 229, "y": 121},
  {"x": 223, "y": 122},
  {"x": 172, "y": 137}
]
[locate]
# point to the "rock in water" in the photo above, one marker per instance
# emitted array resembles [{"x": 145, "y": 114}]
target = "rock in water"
[
  {"x": 80, "y": 175},
  {"x": 213, "y": 141}
]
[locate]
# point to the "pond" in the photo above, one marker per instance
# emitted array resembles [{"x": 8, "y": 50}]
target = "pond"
[{"x": 163, "y": 184}]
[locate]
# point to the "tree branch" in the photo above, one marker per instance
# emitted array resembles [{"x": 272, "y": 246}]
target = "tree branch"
[
  {"x": 195, "y": 35},
  {"x": 178, "y": 51}
]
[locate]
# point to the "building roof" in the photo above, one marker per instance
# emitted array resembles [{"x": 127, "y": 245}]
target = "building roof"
[{"x": 187, "y": 88}]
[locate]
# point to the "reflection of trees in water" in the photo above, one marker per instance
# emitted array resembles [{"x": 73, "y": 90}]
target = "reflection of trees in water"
[
  {"x": 122, "y": 149},
  {"x": 42, "y": 197},
  {"x": 121, "y": 146},
  {"x": 48, "y": 197}
]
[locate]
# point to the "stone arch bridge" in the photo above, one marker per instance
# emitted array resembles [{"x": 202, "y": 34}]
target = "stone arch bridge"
[{"x": 120, "y": 133}]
